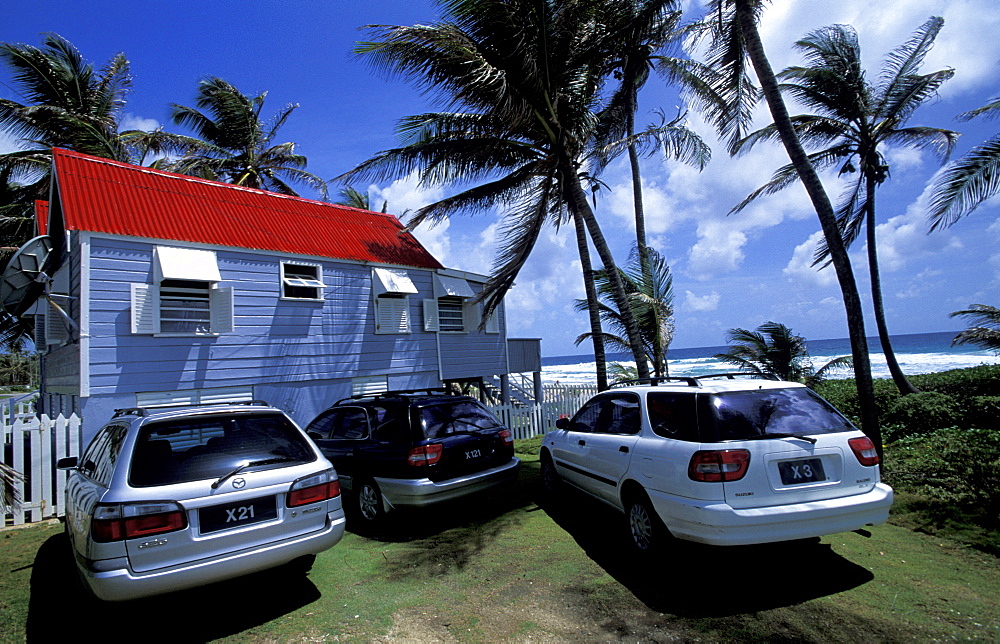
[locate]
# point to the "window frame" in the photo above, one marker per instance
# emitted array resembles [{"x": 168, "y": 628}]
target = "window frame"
[{"x": 301, "y": 282}]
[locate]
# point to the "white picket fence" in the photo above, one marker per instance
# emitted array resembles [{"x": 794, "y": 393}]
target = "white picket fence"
[
  {"x": 527, "y": 420},
  {"x": 32, "y": 446}
]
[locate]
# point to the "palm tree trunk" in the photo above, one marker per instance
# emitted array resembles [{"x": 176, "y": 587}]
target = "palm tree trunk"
[
  {"x": 596, "y": 334},
  {"x": 828, "y": 222},
  {"x": 640, "y": 213},
  {"x": 576, "y": 199},
  {"x": 902, "y": 383}
]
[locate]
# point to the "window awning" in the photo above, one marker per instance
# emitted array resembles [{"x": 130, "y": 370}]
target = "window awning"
[
  {"x": 187, "y": 264},
  {"x": 453, "y": 286},
  {"x": 387, "y": 280}
]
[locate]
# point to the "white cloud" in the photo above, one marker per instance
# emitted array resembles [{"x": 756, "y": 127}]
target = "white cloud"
[
  {"x": 702, "y": 303},
  {"x": 134, "y": 122},
  {"x": 800, "y": 268}
]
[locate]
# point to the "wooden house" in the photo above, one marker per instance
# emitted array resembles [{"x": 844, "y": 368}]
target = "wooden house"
[{"x": 170, "y": 289}]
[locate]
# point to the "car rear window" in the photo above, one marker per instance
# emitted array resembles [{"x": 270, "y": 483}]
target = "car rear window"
[
  {"x": 191, "y": 449},
  {"x": 442, "y": 419},
  {"x": 741, "y": 415}
]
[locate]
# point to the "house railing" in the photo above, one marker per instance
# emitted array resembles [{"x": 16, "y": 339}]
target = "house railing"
[{"x": 32, "y": 446}]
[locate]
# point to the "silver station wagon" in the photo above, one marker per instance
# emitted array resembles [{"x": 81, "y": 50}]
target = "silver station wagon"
[
  {"x": 725, "y": 462},
  {"x": 171, "y": 498}
]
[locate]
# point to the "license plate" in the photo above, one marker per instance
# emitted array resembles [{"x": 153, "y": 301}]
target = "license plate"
[
  {"x": 808, "y": 470},
  {"x": 240, "y": 513}
]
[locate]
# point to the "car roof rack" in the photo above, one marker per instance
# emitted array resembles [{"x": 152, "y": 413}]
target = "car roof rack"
[
  {"x": 145, "y": 411},
  {"x": 656, "y": 380},
  {"x": 691, "y": 381},
  {"x": 732, "y": 375},
  {"x": 398, "y": 393}
]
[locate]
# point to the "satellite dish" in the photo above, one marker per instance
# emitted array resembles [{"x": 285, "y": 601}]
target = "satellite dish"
[{"x": 24, "y": 278}]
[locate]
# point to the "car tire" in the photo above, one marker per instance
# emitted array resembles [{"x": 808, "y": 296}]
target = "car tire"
[
  {"x": 550, "y": 477},
  {"x": 368, "y": 501},
  {"x": 648, "y": 533}
]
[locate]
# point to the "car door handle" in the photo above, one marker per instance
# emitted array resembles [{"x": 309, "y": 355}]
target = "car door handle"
[
  {"x": 623, "y": 449},
  {"x": 583, "y": 442}
]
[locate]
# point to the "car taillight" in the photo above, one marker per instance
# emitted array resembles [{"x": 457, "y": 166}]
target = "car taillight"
[
  {"x": 318, "y": 487},
  {"x": 425, "y": 454},
  {"x": 864, "y": 449},
  {"x": 120, "y": 521},
  {"x": 713, "y": 466},
  {"x": 506, "y": 437}
]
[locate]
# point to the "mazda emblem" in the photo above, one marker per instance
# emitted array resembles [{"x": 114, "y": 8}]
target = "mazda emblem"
[{"x": 239, "y": 484}]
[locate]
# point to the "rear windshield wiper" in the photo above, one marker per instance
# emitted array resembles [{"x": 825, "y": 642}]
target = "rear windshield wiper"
[
  {"x": 239, "y": 468},
  {"x": 808, "y": 439}
]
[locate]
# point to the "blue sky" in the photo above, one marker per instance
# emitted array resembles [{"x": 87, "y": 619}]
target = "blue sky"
[{"x": 729, "y": 271}]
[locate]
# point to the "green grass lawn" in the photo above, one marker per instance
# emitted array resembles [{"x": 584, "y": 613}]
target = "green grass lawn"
[{"x": 515, "y": 566}]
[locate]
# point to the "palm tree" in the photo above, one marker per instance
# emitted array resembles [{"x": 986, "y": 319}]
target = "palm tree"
[
  {"x": 649, "y": 283},
  {"x": 986, "y": 332},
  {"x": 772, "y": 350},
  {"x": 68, "y": 102},
  {"x": 735, "y": 41},
  {"x": 969, "y": 181},
  {"x": 232, "y": 143},
  {"x": 646, "y": 28},
  {"x": 350, "y": 196},
  {"x": 856, "y": 120},
  {"x": 520, "y": 81}
]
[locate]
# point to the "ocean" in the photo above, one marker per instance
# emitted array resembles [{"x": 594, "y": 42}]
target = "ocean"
[{"x": 916, "y": 353}]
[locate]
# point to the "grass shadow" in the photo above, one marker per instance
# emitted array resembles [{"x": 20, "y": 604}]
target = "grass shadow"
[
  {"x": 694, "y": 580},
  {"x": 206, "y": 613}
]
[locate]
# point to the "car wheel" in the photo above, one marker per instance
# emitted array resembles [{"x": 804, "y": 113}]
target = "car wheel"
[
  {"x": 369, "y": 500},
  {"x": 550, "y": 478},
  {"x": 647, "y": 531}
]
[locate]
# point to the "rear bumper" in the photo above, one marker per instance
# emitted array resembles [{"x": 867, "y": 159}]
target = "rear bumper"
[
  {"x": 719, "y": 524},
  {"x": 423, "y": 492},
  {"x": 122, "y": 583}
]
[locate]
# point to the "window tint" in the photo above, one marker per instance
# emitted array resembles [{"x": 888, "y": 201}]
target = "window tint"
[
  {"x": 744, "y": 414},
  {"x": 442, "y": 419},
  {"x": 610, "y": 414},
  {"x": 178, "y": 451},
  {"x": 673, "y": 415},
  {"x": 350, "y": 423},
  {"x": 99, "y": 459}
]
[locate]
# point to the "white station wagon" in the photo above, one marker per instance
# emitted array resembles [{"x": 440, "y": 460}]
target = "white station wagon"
[
  {"x": 172, "y": 498},
  {"x": 725, "y": 462}
]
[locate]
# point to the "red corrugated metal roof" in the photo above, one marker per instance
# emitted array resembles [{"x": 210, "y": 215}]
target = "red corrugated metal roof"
[
  {"x": 105, "y": 196},
  {"x": 41, "y": 216}
]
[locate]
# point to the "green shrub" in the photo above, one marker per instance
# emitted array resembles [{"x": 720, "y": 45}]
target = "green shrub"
[
  {"x": 920, "y": 414},
  {"x": 960, "y": 467},
  {"x": 984, "y": 412}
]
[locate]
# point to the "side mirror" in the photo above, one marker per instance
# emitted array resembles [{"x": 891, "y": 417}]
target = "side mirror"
[
  {"x": 562, "y": 423},
  {"x": 67, "y": 463}
]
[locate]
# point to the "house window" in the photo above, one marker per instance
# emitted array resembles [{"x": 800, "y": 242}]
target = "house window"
[
  {"x": 392, "y": 289},
  {"x": 392, "y": 313},
  {"x": 185, "y": 307},
  {"x": 452, "y": 310},
  {"x": 451, "y": 314},
  {"x": 301, "y": 281}
]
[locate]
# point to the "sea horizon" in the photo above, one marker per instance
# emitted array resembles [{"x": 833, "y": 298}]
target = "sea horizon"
[{"x": 917, "y": 353}]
